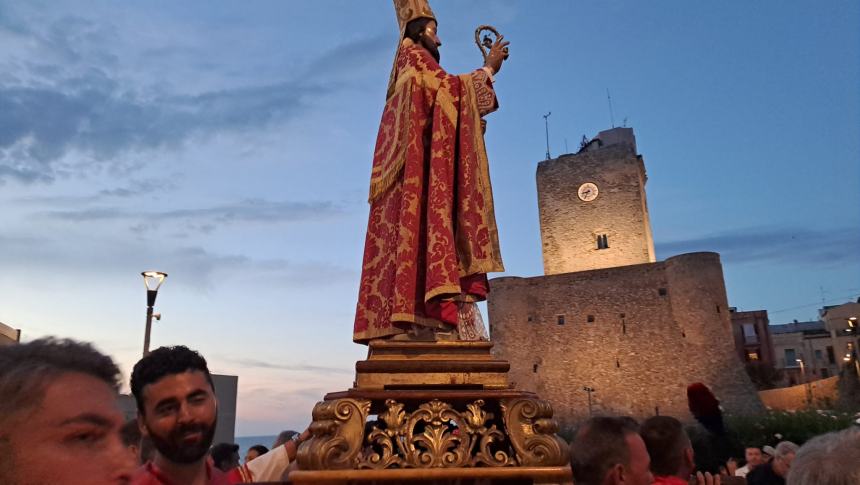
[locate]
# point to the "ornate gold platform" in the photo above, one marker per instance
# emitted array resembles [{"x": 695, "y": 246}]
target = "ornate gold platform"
[
  {"x": 410, "y": 365},
  {"x": 432, "y": 412}
]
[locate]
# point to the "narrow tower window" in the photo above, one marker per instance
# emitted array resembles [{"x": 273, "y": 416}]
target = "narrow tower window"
[
  {"x": 602, "y": 241},
  {"x": 560, "y": 319}
]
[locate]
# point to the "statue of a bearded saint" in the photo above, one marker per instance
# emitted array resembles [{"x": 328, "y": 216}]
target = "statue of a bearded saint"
[{"x": 431, "y": 235}]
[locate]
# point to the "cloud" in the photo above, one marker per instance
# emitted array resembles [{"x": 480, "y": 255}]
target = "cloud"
[
  {"x": 300, "y": 367},
  {"x": 201, "y": 268},
  {"x": 98, "y": 121},
  {"x": 73, "y": 110},
  {"x": 133, "y": 188},
  {"x": 781, "y": 245},
  {"x": 205, "y": 219},
  {"x": 194, "y": 266},
  {"x": 343, "y": 61}
]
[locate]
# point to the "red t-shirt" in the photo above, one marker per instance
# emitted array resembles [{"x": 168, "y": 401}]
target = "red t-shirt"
[
  {"x": 669, "y": 481},
  {"x": 149, "y": 474}
]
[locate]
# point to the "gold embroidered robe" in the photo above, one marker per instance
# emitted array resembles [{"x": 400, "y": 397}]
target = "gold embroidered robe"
[{"x": 431, "y": 234}]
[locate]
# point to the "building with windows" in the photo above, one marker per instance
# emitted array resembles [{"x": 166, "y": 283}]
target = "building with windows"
[
  {"x": 608, "y": 329},
  {"x": 808, "y": 351},
  {"x": 751, "y": 332}
]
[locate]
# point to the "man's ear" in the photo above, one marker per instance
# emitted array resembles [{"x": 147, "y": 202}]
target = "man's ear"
[
  {"x": 614, "y": 475},
  {"x": 690, "y": 458},
  {"x": 141, "y": 425}
]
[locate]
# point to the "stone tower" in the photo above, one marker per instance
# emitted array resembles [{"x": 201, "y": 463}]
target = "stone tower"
[
  {"x": 609, "y": 330},
  {"x": 593, "y": 211}
]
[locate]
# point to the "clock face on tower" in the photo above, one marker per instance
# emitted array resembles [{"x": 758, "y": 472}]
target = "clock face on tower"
[{"x": 587, "y": 192}]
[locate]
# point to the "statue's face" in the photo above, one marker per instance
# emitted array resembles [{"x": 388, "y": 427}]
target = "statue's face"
[{"x": 430, "y": 39}]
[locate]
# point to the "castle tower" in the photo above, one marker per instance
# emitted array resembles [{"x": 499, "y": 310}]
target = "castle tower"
[
  {"x": 593, "y": 211},
  {"x": 608, "y": 329}
]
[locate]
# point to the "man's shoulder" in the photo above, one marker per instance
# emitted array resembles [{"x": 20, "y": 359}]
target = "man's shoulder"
[
  {"x": 146, "y": 475},
  {"x": 217, "y": 477},
  {"x": 761, "y": 475},
  {"x": 669, "y": 480},
  {"x": 149, "y": 474}
]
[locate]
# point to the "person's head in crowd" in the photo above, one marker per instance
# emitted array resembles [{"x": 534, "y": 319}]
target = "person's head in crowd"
[
  {"x": 829, "y": 459},
  {"x": 608, "y": 451},
  {"x": 668, "y": 446},
  {"x": 225, "y": 456},
  {"x": 254, "y": 452},
  {"x": 176, "y": 404},
  {"x": 767, "y": 453},
  {"x": 59, "y": 417},
  {"x": 130, "y": 434},
  {"x": 731, "y": 466},
  {"x": 283, "y": 437},
  {"x": 753, "y": 456},
  {"x": 783, "y": 457}
]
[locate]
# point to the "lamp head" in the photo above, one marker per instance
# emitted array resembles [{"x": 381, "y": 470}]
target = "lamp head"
[{"x": 153, "y": 281}]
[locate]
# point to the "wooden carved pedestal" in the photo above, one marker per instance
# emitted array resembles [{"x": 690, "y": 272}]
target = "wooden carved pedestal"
[{"x": 444, "y": 413}]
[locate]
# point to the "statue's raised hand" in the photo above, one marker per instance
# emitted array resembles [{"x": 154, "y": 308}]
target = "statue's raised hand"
[{"x": 497, "y": 55}]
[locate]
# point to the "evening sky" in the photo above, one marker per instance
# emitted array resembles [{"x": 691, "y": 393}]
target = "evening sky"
[{"x": 229, "y": 144}]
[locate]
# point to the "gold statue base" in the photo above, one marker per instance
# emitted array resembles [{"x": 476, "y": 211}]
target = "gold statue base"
[{"x": 432, "y": 412}]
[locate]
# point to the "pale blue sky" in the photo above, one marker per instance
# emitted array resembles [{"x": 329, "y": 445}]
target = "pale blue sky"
[{"x": 229, "y": 144}]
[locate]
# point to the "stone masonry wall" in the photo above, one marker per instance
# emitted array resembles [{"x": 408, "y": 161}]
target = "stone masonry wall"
[
  {"x": 570, "y": 226},
  {"x": 823, "y": 392},
  {"x": 638, "y": 335}
]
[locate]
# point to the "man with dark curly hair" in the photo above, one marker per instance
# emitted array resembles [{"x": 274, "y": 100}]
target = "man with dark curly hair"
[
  {"x": 59, "y": 418},
  {"x": 177, "y": 411}
]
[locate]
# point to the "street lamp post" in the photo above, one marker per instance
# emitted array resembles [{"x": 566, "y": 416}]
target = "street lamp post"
[
  {"x": 153, "y": 281},
  {"x": 806, "y": 381},
  {"x": 589, "y": 390}
]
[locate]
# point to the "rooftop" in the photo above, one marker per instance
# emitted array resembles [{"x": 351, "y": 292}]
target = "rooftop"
[{"x": 797, "y": 327}]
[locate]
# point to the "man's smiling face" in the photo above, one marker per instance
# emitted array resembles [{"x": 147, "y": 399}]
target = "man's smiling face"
[{"x": 179, "y": 416}]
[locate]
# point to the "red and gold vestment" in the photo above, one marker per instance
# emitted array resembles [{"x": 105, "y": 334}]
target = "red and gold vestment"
[{"x": 431, "y": 235}]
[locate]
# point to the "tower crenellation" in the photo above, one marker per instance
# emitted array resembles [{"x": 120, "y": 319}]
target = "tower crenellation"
[{"x": 592, "y": 205}]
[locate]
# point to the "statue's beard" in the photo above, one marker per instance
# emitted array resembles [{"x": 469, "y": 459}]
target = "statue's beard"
[{"x": 431, "y": 47}]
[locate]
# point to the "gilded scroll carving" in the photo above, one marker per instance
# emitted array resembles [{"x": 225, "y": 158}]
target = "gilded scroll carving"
[
  {"x": 432, "y": 434},
  {"x": 531, "y": 430},
  {"x": 435, "y": 435},
  {"x": 337, "y": 435}
]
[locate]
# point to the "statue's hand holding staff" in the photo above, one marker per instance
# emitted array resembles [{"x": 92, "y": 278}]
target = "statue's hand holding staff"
[{"x": 498, "y": 54}]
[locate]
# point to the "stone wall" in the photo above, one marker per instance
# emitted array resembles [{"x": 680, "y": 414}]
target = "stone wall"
[
  {"x": 570, "y": 226},
  {"x": 823, "y": 392},
  {"x": 638, "y": 335}
]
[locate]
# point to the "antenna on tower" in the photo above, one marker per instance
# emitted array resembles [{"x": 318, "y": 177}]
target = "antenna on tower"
[
  {"x": 565, "y": 146},
  {"x": 611, "y": 115},
  {"x": 546, "y": 123}
]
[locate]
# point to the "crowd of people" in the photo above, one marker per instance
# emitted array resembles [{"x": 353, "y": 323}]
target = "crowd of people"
[
  {"x": 613, "y": 450},
  {"x": 60, "y": 424}
]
